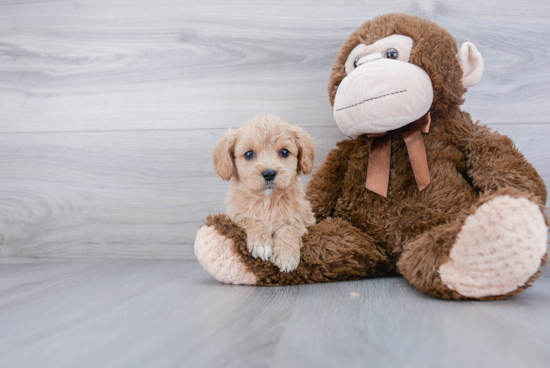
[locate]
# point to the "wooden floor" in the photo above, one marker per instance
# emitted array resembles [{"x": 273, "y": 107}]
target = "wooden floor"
[{"x": 171, "y": 313}]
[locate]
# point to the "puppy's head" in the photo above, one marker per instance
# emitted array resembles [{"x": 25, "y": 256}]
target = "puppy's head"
[{"x": 265, "y": 155}]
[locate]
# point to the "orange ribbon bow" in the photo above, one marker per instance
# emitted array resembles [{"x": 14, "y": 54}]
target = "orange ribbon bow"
[{"x": 378, "y": 171}]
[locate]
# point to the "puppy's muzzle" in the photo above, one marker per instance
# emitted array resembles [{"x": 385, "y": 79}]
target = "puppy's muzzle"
[{"x": 269, "y": 175}]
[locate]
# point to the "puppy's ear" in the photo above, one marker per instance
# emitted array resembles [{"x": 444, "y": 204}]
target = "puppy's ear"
[
  {"x": 223, "y": 155},
  {"x": 306, "y": 150}
]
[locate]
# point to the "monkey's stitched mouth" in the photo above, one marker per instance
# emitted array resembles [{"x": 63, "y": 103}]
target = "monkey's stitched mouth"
[{"x": 373, "y": 98}]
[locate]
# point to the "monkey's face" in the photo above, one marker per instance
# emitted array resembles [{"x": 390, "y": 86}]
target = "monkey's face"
[
  {"x": 382, "y": 90},
  {"x": 382, "y": 83}
]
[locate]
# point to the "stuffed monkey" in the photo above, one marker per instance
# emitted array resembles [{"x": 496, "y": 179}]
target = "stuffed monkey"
[{"x": 418, "y": 189}]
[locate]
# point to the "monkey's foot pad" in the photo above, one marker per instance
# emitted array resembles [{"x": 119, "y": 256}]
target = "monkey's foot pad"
[
  {"x": 215, "y": 253},
  {"x": 499, "y": 248}
]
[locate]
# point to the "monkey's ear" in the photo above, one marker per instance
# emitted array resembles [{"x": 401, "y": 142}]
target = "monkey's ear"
[
  {"x": 306, "y": 151},
  {"x": 472, "y": 64},
  {"x": 223, "y": 155}
]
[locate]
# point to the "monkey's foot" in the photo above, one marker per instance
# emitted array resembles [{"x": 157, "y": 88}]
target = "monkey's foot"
[
  {"x": 217, "y": 255},
  {"x": 498, "y": 250}
]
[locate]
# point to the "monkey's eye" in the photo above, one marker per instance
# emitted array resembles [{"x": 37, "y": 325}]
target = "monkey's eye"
[
  {"x": 392, "y": 54},
  {"x": 249, "y": 155},
  {"x": 283, "y": 153},
  {"x": 355, "y": 62}
]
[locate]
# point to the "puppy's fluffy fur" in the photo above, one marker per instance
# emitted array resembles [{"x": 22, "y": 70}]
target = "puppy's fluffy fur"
[{"x": 274, "y": 214}]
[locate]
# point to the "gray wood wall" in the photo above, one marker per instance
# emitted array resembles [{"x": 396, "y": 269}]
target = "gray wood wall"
[{"x": 109, "y": 109}]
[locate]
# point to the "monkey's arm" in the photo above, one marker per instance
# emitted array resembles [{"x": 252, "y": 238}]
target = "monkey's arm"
[
  {"x": 494, "y": 162},
  {"x": 325, "y": 186}
]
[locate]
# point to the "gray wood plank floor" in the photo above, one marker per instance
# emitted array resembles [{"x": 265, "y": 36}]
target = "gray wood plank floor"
[
  {"x": 169, "y": 313},
  {"x": 109, "y": 109}
]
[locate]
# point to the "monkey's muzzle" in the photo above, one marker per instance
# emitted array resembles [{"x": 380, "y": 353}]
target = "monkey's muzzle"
[{"x": 381, "y": 95}]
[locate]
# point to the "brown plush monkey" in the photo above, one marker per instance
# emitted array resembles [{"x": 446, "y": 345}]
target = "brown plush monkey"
[{"x": 420, "y": 190}]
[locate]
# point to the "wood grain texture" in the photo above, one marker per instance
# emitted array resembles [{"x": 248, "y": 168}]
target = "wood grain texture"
[
  {"x": 147, "y": 313},
  {"x": 140, "y": 194},
  {"x": 109, "y": 109},
  {"x": 125, "y": 194},
  {"x": 172, "y": 64}
]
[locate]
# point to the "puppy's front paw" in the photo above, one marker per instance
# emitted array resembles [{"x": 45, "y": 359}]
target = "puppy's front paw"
[
  {"x": 260, "y": 245},
  {"x": 285, "y": 256}
]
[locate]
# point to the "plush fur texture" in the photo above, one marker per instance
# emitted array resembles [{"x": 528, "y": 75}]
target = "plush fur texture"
[
  {"x": 332, "y": 250},
  {"x": 361, "y": 234},
  {"x": 217, "y": 256},
  {"x": 498, "y": 248},
  {"x": 367, "y": 103},
  {"x": 274, "y": 213},
  {"x": 434, "y": 51}
]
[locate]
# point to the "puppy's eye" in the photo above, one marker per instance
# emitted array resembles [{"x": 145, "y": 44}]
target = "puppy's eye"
[
  {"x": 355, "y": 62},
  {"x": 249, "y": 155},
  {"x": 392, "y": 54},
  {"x": 283, "y": 153}
]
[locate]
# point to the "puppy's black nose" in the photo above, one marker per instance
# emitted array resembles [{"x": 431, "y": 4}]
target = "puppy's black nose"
[{"x": 269, "y": 175}]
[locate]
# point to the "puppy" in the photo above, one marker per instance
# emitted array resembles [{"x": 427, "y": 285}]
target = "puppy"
[{"x": 263, "y": 159}]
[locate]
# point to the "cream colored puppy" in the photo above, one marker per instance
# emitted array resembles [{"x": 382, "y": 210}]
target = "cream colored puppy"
[{"x": 263, "y": 159}]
